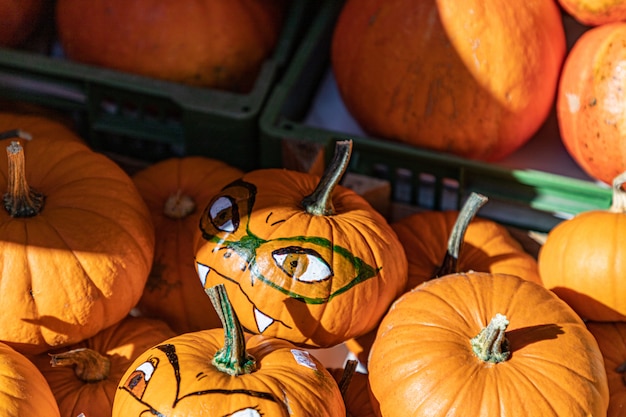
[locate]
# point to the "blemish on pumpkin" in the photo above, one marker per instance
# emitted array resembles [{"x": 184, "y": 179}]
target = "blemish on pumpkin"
[{"x": 573, "y": 102}]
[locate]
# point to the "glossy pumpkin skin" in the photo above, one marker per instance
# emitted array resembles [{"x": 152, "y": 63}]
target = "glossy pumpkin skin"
[
  {"x": 555, "y": 367},
  {"x": 288, "y": 381},
  {"x": 121, "y": 343},
  {"x": 589, "y": 106},
  {"x": 595, "y": 12},
  {"x": 611, "y": 337},
  {"x": 23, "y": 389},
  {"x": 472, "y": 78},
  {"x": 93, "y": 235},
  {"x": 204, "y": 43},
  {"x": 313, "y": 280},
  {"x": 173, "y": 292}
]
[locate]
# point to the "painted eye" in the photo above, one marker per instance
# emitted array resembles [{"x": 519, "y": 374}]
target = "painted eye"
[
  {"x": 305, "y": 265},
  {"x": 246, "y": 412},
  {"x": 138, "y": 381},
  {"x": 224, "y": 214}
]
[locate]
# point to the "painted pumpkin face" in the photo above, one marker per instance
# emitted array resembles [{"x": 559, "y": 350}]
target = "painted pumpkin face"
[{"x": 313, "y": 280}]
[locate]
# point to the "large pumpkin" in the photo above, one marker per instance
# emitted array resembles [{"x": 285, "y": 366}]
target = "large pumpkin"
[
  {"x": 176, "y": 191},
  {"x": 590, "y": 102},
  {"x": 84, "y": 377},
  {"x": 474, "y": 78},
  {"x": 303, "y": 259},
  {"x": 76, "y": 240},
  {"x": 205, "y": 43},
  {"x": 226, "y": 372},
  {"x": 480, "y": 344},
  {"x": 582, "y": 260}
]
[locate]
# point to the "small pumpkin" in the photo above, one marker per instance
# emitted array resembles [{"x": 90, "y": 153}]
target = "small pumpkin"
[
  {"x": 472, "y": 344},
  {"x": 23, "y": 389},
  {"x": 227, "y": 372},
  {"x": 303, "y": 258},
  {"x": 472, "y": 78},
  {"x": 176, "y": 190},
  {"x": 77, "y": 242},
  {"x": 84, "y": 377},
  {"x": 581, "y": 260},
  {"x": 588, "y": 103},
  {"x": 611, "y": 338}
]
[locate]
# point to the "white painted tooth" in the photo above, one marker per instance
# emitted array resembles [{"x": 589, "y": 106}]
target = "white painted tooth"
[
  {"x": 263, "y": 321},
  {"x": 203, "y": 272}
]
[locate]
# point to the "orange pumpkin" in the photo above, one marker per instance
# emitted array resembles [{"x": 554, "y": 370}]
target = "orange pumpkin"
[
  {"x": 355, "y": 391},
  {"x": 205, "y": 43},
  {"x": 595, "y": 12},
  {"x": 479, "y": 344},
  {"x": 581, "y": 260},
  {"x": 226, "y": 372},
  {"x": 23, "y": 389},
  {"x": 473, "y": 78},
  {"x": 77, "y": 242},
  {"x": 84, "y": 377},
  {"x": 589, "y": 105},
  {"x": 303, "y": 259},
  {"x": 611, "y": 338},
  {"x": 176, "y": 191}
]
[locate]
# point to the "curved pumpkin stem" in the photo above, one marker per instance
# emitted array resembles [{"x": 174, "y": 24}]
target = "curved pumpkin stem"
[
  {"x": 491, "y": 345},
  {"x": 89, "y": 365},
  {"x": 346, "y": 376},
  {"x": 618, "y": 204},
  {"x": 319, "y": 202},
  {"x": 179, "y": 205},
  {"x": 232, "y": 358},
  {"x": 20, "y": 200},
  {"x": 467, "y": 213}
]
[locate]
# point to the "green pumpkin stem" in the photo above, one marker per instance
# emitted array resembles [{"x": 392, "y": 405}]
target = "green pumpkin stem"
[
  {"x": 20, "y": 200},
  {"x": 319, "y": 202},
  {"x": 348, "y": 372},
  {"x": 450, "y": 262},
  {"x": 618, "y": 204},
  {"x": 232, "y": 358},
  {"x": 179, "y": 205},
  {"x": 89, "y": 365},
  {"x": 491, "y": 345}
]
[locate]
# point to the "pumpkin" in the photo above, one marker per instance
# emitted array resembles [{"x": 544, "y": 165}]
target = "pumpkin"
[
  {"x": 581, "y": 260},
  {"x": 480, "y": 344},
  {"x": 76, "y": 240},
  {"x": 611, "y": 338},
  {"x": 227, "y": 372},
  {"x": 472, "y": 78},
  {"x": 176, "y": 190},
  {"x": 302, "y": 257},
  {"x": 20, "y": 19},
  {"x": 84, "y": 377},
  {"x": 355, "y": 390},
  {"x": 205, "y": 43},
  {"x": 595, "y": 12},
  {"x": 589, "y": 103},
  {"x": 23, "y": 389}
]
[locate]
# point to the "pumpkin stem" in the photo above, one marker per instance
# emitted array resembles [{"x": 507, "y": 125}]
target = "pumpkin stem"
[
  {"x": 346, "y": 376},
  {"x": 20, "y": 200},
  {"x": 232, "y": 358},
  {"x": 450, "y": 262},
  {"x": 490, "y": 344},
  {"x": 618, "y": 204},
  {"x": 179, "y": 205},
  {"x": 319, "y": 202},
  {"x": 89, "y": 365}
]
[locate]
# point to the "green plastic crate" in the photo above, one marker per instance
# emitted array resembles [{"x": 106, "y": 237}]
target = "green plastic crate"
[
  {"x": 149, "y": 119},
  {"x": 528, "y": 199}
]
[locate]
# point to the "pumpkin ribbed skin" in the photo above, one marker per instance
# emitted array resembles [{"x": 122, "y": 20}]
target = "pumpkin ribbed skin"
[
  {"x": 81, "y": 263},
  {"x": 203, "y": 43},
  {"x": 171, "y": 188},
  {"x": 23, "y": 389},
  {"x": 472, "y": 78},
  {"x": 422, "y": 362},
  {"x": 595, "y": 12},
  {"x": 121, "y": 343},
  {"x": 590, "y": 105}
]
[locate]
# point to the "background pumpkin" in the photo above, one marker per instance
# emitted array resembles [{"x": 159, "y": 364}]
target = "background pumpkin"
[
  {"x": 203, "y": 43},
  {"x": 84, "y": 377},
  {"x": 80, "y": 264},
  {"x": 589, "y": 104},
  {"x": 595, "y": 12},
  {"x": 554, "y": 366},
  {"x": 176, "y": 191},
  {"x": 473, "y": 78},
  {"x": 355, "y": 391}
]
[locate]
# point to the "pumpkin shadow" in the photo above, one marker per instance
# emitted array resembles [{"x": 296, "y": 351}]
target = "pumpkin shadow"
[
  {"x": 520, "y": 338},
  {"x": 587, "y": 307}
]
